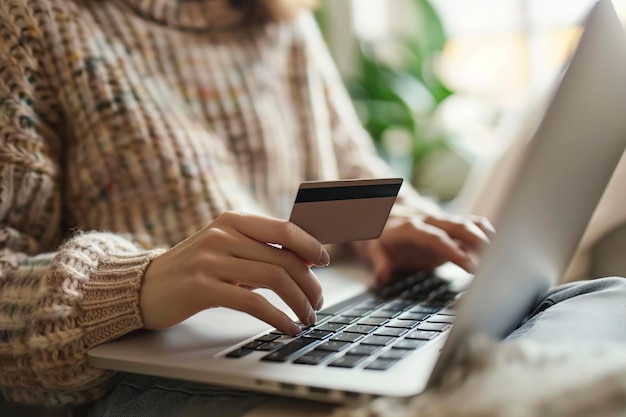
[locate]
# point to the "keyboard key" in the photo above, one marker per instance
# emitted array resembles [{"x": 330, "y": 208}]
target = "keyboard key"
[
  {"x": 440, "y": 318},
  {"x": 360, "y": 328},
  {"x": 372, "y": 321},
  {"x": 421, "y": 335},
  {"x": 448, "y": 311},
  {"x": 444, "y": 295},
  {"x": 411, "y": 344},
  {"x": 421, "y": 308},
  {"x": 384, "y": 314},
  {"x": 370, "y": 304},
  {"x": 285, "y": 352},
  {"x": 395, "y": 354},
  {"x": 396, "y": 305},
  {"x": 304, "y": 330},
  {"x": 356, "y": 312},
  {"x": 403, "y": 324},
  {"x": 270, "y": 337},
  {"x": 303, "y": 327},
  {"x": 381, "y": 364},
  {"x": 314, "y": 357},
  {"x": 347, "y": 337},
  {"x": 437, "y": 305},
  {"x": 364, "y": 350},
  {"x": 336, "y": 308},
  {"x": 412, "y": 316},
  {"x": 239, "y": 353},
  {"x": 343, "y": 320},
  {"x": 318, "y": 334},
  {"x": 270, "y": 346},
  {"x": 390, "y": 331},
  {"x": 347, "y": 361},
  {"x": 252, "y": 345},
  {"x": 377, "y": 340},
  {"x": 401, "y": 304},
  {"x": 435, "y": 327},
  {"x": 322, "y": 317},
  {"x": 333, "y": 346},
  {"x": 330, "y": 327}
]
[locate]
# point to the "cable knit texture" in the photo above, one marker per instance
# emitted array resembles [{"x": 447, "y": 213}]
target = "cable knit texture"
[{"x": 143, "y": 119}]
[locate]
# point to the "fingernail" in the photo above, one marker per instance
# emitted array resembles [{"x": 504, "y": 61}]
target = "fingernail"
[
  {"x": 324, "y": 257},
  {"x": 471, "y": 265},
  {"x": 319, "y": 304},
  {"x": 294, "y": 329},
  {"x": 312, "y": 318}
]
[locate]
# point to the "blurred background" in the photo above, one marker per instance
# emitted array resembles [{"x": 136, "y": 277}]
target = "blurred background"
[{"x": 442, "y": 85}]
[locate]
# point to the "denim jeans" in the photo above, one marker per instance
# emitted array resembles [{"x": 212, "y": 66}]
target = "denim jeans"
[
  {"x": 138, "y": 395},
  {"x": 592, "y": 310},
  {"x": 587, "y": 310}
]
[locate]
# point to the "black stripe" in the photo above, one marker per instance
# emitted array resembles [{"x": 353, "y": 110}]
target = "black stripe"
[{"x": 351, "y": 192}]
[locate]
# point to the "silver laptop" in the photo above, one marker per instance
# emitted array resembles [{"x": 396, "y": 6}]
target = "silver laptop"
[{"x": 400, "y": 341}]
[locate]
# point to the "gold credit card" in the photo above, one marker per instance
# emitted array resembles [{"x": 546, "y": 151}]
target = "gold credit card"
[{"x": 345, "y": 211}]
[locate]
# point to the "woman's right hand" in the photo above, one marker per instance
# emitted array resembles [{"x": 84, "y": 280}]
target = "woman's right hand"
[{"x": 221, "y": 264}]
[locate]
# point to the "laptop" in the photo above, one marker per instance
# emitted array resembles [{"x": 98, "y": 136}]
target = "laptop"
[{"x": 400, "y": 341}]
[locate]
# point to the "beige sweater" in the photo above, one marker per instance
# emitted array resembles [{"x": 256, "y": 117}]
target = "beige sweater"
[{"x": 126, "y": 126}]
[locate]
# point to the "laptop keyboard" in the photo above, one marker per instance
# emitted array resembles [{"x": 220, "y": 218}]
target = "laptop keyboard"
[{"x": 372, "y": 331}]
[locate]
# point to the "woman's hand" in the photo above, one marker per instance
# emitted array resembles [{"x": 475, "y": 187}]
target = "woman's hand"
[
  {"x": 221, "y": 264},
  {"x": 425, "y": 243}
]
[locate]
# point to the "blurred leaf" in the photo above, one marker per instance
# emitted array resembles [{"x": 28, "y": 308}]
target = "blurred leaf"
[
  {"x": 379, "y": 115},
  {"x": 424, "y": 47},
  {"x": 373, "y": 75},
  {"x": 430, "y": 34},
  {"x": 407, "y": 95},
  {"x": 424, "y": 148},
  {"x": 424, "y": 70},
  {"x": 412, "y": 92}
]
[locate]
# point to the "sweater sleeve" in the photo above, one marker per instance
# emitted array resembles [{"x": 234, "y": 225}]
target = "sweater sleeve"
[
  {"x": 359, "y": 157},
  {"x": 57, "y": 299}
]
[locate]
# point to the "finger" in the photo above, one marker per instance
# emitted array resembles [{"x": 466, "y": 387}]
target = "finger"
[
  {"x": 381, "y": 263},
  {"x": 256, "y": 305},
  {"x": 438, "y": 241},
  {"x": 299, "y": 272},
  {"x": 484, "y": 224},
  {"x": 462, "y": 229},
  {"x": 255, "y": 274},
  {"x": 270, "y": 230}
]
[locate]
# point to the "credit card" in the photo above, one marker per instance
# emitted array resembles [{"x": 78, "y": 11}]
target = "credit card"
[{"x": 345, "y": 211}]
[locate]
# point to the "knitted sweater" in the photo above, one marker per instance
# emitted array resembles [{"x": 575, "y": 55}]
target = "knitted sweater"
[{"x": 126, "y": 126}]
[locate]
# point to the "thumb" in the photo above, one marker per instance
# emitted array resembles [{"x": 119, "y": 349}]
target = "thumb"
[{"x": 381, "y": 263}]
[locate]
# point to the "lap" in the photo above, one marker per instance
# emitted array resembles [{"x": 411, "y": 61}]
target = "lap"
[
  {"x": 593, "y": 310},
  {"x": 139, "y": 396}
]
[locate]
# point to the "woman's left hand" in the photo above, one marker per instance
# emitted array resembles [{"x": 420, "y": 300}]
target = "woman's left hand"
[{"x": 426, "y": 242}]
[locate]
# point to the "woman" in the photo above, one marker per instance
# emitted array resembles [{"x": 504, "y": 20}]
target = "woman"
[{"x": 150, "y": 149}]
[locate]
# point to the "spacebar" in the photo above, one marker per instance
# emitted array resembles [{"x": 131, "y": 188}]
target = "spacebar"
[{"x": 282, "y": 354}]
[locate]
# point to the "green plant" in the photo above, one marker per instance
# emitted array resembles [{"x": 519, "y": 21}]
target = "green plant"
[{"x": 404, "y": 95}]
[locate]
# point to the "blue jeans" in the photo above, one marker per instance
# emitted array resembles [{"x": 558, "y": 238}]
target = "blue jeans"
[
  {"x": 587, "y": 310},
  {"x": 579, "y": 311},
  {"x": 138, "y": 395}
]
